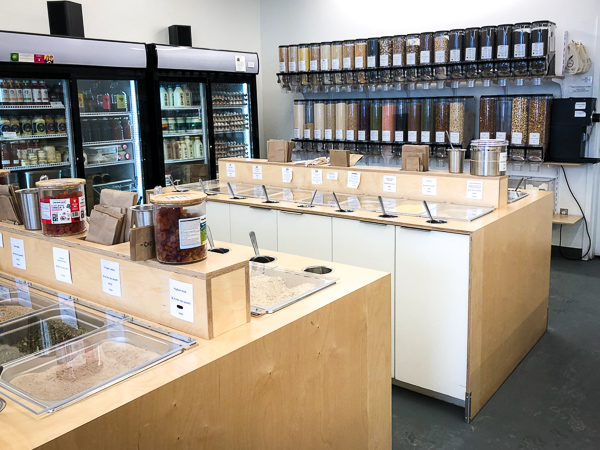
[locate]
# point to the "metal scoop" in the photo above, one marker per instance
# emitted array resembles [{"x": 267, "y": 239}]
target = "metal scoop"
[
  {"x": 310, "y": 205},
  {"x": 233, "y": 196},
  {"x": 384, "y": 215},
  {"x": 204, "y": 187},
  {"x": 431, "y": 219},
  {"x": 212, "y": 243},
  {"x": 258, "y": 258},
  {"x": 267, "y": 196},
  {"x": 338, "y": 204}
]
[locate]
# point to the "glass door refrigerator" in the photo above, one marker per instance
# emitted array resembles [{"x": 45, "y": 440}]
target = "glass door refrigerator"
[
  {"x": 83, "y": 117},
  {"x": 205, "y": 103}
]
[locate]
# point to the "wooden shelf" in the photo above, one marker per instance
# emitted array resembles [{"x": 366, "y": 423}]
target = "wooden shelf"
[{"x": 565, "y": 219}]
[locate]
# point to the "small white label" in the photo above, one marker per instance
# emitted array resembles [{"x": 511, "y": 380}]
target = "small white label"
[
  {"x": 314, "y": 65},
  {"x": 501, "y": 135},
  {"x": 371, "y": 61},
  {"x": 230, "y": 169},
  {"x": 475, "y": 190},
  {"x": 386, "y": 135},
  {"x": 332, "y": 176},
  {"x": 484, "y": 135},
  {"x": 258, "y": 191},
  {"x": 288, "y": 195},
  {"x": 181, "y": 300},
  {"x": 517, "y": 138},
  {"x": 240, "y": 63},
  {"x": 384, "y": 60},
  {"x": 302, "y": 66},
  {"x": 520, "y": 50},
  {"x": 335, "y": 64},
  {"x": 412, "y": 136},
  {"x": 349, "y": 135},
  {"x": 414, "y": 41},
  {"x": 1, "y": 240},
  {"x": 256, "y": 172},
  {"x": 292, "y": 66},
  {"x": 580, "y": 114},
  {"x": 62, "y": 265},
  {"x": 17, "y": 248},
  {"x": 425, "y": 136},
  {"x": 425, "y": 57},
  {"x": 486, "y": 52},
  {"x": 429, "y": 186},
  {"x": 9, "y": 134},
  {"x": 324, "y": 64},
  {"x": 502, "y": 52},
  {"x": 534, "y": 138},
  {"x": 411, "y": 59},
  {"x": 440, "y": 137},
  {"x": 316, "y": 176},
  {"x": 440, "y": 56},
  {"x": 286, "y": 174},
  {"x": 503, "y": 159},
  {"x": 397, "y": 59},
  {"x": 282, "y": 66},
  {"x": 328, "y": 134},
  {"x": 470, "y": 53},
  {"x": 339, "y": 135},
  {"x": 353, "y": 180},
  {"x": 4, "y": 293},
  {"x": 111, "y": 277},
  {"x": 455, "y": 55},
  {"x": 307, "y": 133},
  {"x": 359, "y": 62},
  {"x": 318, "y": 134},
  {"x": 375, "y": 135},
  {"x": 580, "y": 105},
  {"x": 250, "y": 64},
  {"x": 190, "y": 232},
  {"x": 399, "y": 136},
  {"x": 297, "y": 133},
  {"x": 353, "y": 202},
  {"x": 347, "y": 63},
  {"x": 455, "y": 137},
  {"x": 537, "y": 49},
  {"x": 362, "y": 135},
  {"x": 389, "y": 183}
]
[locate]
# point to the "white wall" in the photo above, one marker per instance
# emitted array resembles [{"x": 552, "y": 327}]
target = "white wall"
[{"x": 319, "y": 20}]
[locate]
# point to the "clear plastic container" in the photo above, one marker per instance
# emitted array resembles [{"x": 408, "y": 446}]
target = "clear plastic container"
[
  {"x": 442, "y": 54},
  {"x": 348, "y": 61},
  {"x": 456, "y": 53},
  {"x": 337, "y": 61},
  {"x": 299, "y": 114},
  {"x": 427, "y": 55},
  {"x": 398, "y": 57},
  {"x": 521, "y": 48},
  {"x": 385, "y": 58},
  {"x": 520, "y": 120},
  {"x": 487, "y": 117},
  {"x": 414, "y": 120},
  {"x": 325, "y": 64},
  {"x": 400, "y": 127},
  {"x": 330, "y": 107},
  {"x": 472, "y": 52},
  {"x": 364, "y": 120},
  {"x": 539, "y": 120},
  {"x": 303, "y": 57},
  {"x": 388, "y": 120},
  {"x": 292, "y": 54},
  {"x": 487, "y": 47},
  {"x": 457, "y": 120},
  {"x": 542, "y": 46},
  {"x": 315, "y": 57},
  {"x": 375, "y": 123},
  {"x": 373, "y": 59},
  {"x": 319, "y": 107},
  {"x": 180, "y": 227},
  {"x": 503, "y": 118},
  {"x": 442, "y": 120},
  {"x": 283, "y": 59},
  {"x": 427, "y": 120},
  {"x": 62, "y": 206},
  {"x": 309, "y": 120},
  {"x": 360, "y": 59},
  {"x": 503, "y": 49},
  {"x": 413, "y": 54},
  {"x": 341, "y": 121},
  {"x": 352, "y": 112}
]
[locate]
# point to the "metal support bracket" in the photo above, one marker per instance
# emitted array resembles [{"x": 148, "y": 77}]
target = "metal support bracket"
[{"x": 467, "y": 407}]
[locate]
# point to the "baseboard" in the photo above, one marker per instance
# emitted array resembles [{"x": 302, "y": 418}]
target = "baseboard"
[{"x": 569, "y": 252}]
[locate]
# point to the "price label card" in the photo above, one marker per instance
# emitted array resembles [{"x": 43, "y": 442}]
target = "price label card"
[
  {"x": 286, "y": 174},
  {"x": 56, "y": 105},
  {"x": 62, "y": 265},
  {"x": 389, "y": 183},
  {"x": 230, "y": 169},
  {"x": 534, "y": 138},
  {"x": 399, "y": 136},
  {"x": 501, "y": 135},
  {"x": 517, "y": 138},
  {"x": 9, "y": 134},
  {"x": 475, "y": 190},
  {"x": 332, "y": 176},
  {"x": 111, "y": 278},
  {"x": 17, "y": 248},
  {"x": 353, "y": 180},
  {"x": 258, "y": 192},
  {"x": 429, "y": 186},
  {"x": 181, "y": 300},
  {"x": 256, "y": 172},
  {"x": 316, "y": 176},
  {"x": 484, "y": 135}
]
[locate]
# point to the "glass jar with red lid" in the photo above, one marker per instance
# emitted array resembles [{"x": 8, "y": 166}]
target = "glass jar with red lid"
[{"x": 62, "y": 206}]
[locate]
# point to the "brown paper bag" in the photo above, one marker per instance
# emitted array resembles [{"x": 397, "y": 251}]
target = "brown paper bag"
[
  {"x": 10, "y": 210},
  {"x": 104, "y": 228},
  {"x": 339, "y": 158},
  {"x": 141, "y": 243},
  {"x": 122, "y": 199},
  {"x": 419, "y": 151},
  {"x": 278, "y": 151}
]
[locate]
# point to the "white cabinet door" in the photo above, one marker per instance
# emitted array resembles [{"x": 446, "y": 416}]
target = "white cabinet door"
[
  {"x": 304, "y": 234},
  {"x": 432, "y": 301},
  {"x": 217, "y": 218},
  {"x": 260, "y": 220},
  {"x": 369, "y": 245}
]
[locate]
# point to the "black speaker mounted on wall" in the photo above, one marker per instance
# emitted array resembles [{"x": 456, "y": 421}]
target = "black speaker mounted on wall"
[
  {"x": 66, "y": 18},
  {"x": 180, "y": 35}
]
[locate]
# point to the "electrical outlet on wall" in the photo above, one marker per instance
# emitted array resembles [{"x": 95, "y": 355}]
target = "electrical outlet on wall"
[{"x": 564, "y": 212}]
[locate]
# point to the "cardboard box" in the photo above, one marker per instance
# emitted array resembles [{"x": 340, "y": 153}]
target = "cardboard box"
[
  {"x": 279, "y": 150},
  {"x": 415, "y": 158}
]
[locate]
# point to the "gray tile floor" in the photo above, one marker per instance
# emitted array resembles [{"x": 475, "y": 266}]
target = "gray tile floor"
[{"x": 550, "y": 401}]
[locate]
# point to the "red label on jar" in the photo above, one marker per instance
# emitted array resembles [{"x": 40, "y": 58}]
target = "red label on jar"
[{"x": 62, "y": 210}]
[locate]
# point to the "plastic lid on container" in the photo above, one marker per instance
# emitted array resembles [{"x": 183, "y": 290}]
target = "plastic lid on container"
[
  {"x": 544, "y": 21},
  {"x": 61, "y": 183},
  {"x": 520, "y": 24},
  {"x": 485, "y": 144},
  {"x": 505, "y": 25},
  {"x": 189, "y": 198}
]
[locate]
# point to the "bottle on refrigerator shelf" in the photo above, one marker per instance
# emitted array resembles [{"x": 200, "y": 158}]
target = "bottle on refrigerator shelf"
[
  {"x": 44, "y": 92},
  {"x": 187, "y": 95},
  {"x": 126, "y": 128},
  {"x": 178, "y": 96},
  {"x": 26, "y": 126},
  {"x": 12, "y": 93},
  {"x": 102, "y": 99},
  {"x": 61, "y": 124},
  {"x": 19, "y": 92},
  {"x": 116, "y": 130},
  {"x": 88, "y": 101},
  {"x": 27, "y": 93},
  {"x": 15, "y": 125},
  {"x": 80, "y": 102},
  {"x": 164, "y": 97},
  {"x": 5, "y": 94},
  {"x": 50, "y": 125},
  {"x": 37, "y": 93},
  {"x": 170, "y": 93}
]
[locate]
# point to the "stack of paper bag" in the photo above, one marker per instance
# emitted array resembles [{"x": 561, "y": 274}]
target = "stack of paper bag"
[
  {"x": 10, "y": 211},
  {"x": 415, "y": 158},
  {"x": 110, "y": 221},
  {"x": 279, "y": 150}
]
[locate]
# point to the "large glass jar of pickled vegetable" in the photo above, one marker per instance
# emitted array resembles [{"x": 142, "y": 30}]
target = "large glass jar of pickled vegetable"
[
  {"x": 62, "y": 206},
  {"x": 180, "y": 227}
]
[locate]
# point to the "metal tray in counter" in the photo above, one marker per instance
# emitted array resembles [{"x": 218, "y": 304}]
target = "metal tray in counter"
[
  {"x": 292, "y": 195},
  {"x": 26, "y": 303},
  {"x": 46, "y": 382},
  {"x": 291, "y": 279}
]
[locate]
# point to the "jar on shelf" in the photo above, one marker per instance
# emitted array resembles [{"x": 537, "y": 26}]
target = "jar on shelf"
[
  {"x": 427, "y": 120},
  {"x": 304, "y": 63},
  {"x": 62, "y": 206},
  {"x": 319, "y": 112},
  {"x": 442, "y": 120},
  {"x": 487, "y": 40},
  {"x": 283, "y": 59},
  {"x": 309, "y": 120},
  {"x": 341, "y": 120},
  {"x": 456, "y": 53},
  {"x": 375, "y": 123},
  {"x": 471, "y": 52},
  {"x": 364, "y": 120},
  {"x": 337, "y": 61},
  {"x": 330, "y": 107},
  {"x": 292, "y": 54},
  {"x": 5, "y": 155},
  {"x": 538, "y": 126},
  {"x": 487, "y": 117},
  {"x": 348, "y": 61},
  {"x": 315, "y": 57},
  {"x": 398, "y": 57},
  {"x": 457, "y": 120},
  {"x": 299, "y": 114},
  {"x": 325, "y": 64},
  {"x": 521, "y": 33},
  {"x": 503, "y": 50},
  {"x": 352, "y": 112},
  {"x": 388, "y": 120},
  {"x": 427, "y": 55},
  {"x": 503, "y": 118},
  {"x": 442, "y": 54},
  {"x": 360, "y": 60},
  {"x": 386, "y": 56},
  {"x": 413, "y": 53},
  {"x": 373, "y": 59},
  {"x": 542, "y": 46},
  {"x": 400, "y": 133},
  {"x": 414, "y": 120},
  {"x": 520, "y": 120},
  {"x": 180, "y": 227}
]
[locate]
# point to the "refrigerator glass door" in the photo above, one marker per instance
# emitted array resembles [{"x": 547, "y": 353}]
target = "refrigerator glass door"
[
  {"x": 111, "y": 139},
  {"x": 35, "y": 128},
  {"x": 184, "y": 132},
  {"x": 232, "y": 120}
]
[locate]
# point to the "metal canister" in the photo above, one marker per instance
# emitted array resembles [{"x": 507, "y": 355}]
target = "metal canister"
[
  {"x": 30, "y": 206},
  {"x": 488, "y": 157}
]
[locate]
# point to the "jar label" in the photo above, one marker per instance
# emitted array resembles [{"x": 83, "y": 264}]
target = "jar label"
[
  {"x": 302, "y": 66},
  {"x": 328, "y": 134},
  {"x": 296, "y": 133},
  {"x": 359, "y": 62},
  {"x": 191, "y": 232},
  {"x": 440, "y": 137},
  {"x": 502, "y": 52},
  {"x": 425, "y": 57},
  {"x": 325, "y": 64},
  {"x": 440, "y": 56},
  {"x": 386, "y": 136},
  {"x": 349, "y": 135},
  {"x": 339, "y": 135},
  {"x": 282, "y": 66},
  {"x": 517, "y": 138},
  {"x": 501, "y": 135},
  {"x": 455, "y": 55},
  {"x": 486, "y": 52},
  {"x": 503, "y": 159},
  {"x": 371, "y": 61},
  {"x": 411, "y": 59},
  {"x": 537, "y": 49},
  {"x": 397, "y": 59},
  {"x": 375, "y": 135},
  {"x": 178, "y": 197},
  {"x": 307, "y": 133},
  {"x": 318, "y": 134},
  {"x": 292, "y": 66},
  {"x": 425, "y": 136},
  {"x": 362, "y": 135},
  {"x": 384, "y": 60},
  {"x": 484, "y": 135},
  {"x": 62, "y": 210},
  {"x": 412, "y": 136},
  {"x": 335, "y": 64},
  {"x": 399, "y": 136},
  {"x": 347, "y": 63},
  {"x": 314, "y": 65},
  {"x": 455, "y": 137},
  {"x": 520, "y": 50},
  {"x": 534, "y": 138},
  {"x": 470, "y": 53}
]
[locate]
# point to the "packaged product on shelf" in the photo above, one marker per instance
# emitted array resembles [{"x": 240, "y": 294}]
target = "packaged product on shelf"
[
  {"x": 341, "y": 119},
  {"x": 399, "y": 57},
  {"x": 519, "y": 121},
  {"x": 283, "y": 59},
  {"x": 539, "y": 120},
  {"x": 487, "y": 40},
  {"x": 180, "y": 227},
  {"x": 457, "y": 120},
  {"x": 471, "y": 40},
  {"x": 330, "y": 130},
  {"x": 487, "y": 118},
  {"x": 375, "y": 123},
  {"x": 542, "y": 47},
  {"x": 292, "y": 54},
  {"x": 456, "y": 53},
  {"x": 299, "y": 119},
  {"x": 521, "y": 51},
  {"x": 414, "y": 120},
  {"x": 62, "y": 206},
  {"x": 427, "y": 120},
  {"x": 400, "y": 127},
  {"x": 503, "y": 118},
  {"x": 319, "y": 108},
  {"x": 442, "y": 54},
  {"x": 442, "y": 120},
  {"x": 388, "y": 120},
  {"x": 364, "y": 120},
  {"x": 309, "y": 120}
]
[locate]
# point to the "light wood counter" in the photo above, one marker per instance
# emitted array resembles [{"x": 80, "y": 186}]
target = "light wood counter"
[{"x": 315, "y": 374}]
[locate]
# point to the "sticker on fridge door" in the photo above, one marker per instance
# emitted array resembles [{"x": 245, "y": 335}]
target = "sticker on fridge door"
[
  {"x": 475, "y": 190},
  {"x": 429, "y": 186},
  {"x": 240, "y": 63},
  {"x": 181, "y": 296}
]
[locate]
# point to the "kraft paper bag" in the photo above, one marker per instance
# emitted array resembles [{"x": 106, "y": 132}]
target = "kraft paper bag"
[
  {"x": 141, "y": 244},
  {"x": 121, "y": 199},
  {"x": 104, "y": 228},
  {"x": 339, "y": 158},
  {"x": 10, "y": 210}
]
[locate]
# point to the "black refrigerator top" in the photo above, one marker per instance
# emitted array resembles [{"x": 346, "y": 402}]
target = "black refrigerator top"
[{"x": 205, "y": 60}]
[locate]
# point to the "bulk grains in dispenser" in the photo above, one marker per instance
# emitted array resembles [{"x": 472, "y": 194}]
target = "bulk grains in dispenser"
[{"x": 62, "y": 206}]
